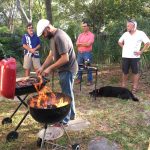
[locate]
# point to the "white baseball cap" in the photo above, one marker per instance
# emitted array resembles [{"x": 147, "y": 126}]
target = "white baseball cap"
[{"x": 41, "y": 25}]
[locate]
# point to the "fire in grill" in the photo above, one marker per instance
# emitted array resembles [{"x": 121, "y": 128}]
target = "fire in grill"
[{"x": 49, "y": 107}]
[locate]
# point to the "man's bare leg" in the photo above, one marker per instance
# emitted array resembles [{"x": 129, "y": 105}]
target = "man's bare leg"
[
  {"x": 27, "y": 72},
  {"x": 124, "y": 80},
  {"x": 135, "y": 81}
]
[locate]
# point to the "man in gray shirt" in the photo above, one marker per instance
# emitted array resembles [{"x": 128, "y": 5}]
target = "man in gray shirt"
[{"x": 64, "y": 60}]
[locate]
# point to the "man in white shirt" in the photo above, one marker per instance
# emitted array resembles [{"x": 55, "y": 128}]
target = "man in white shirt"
[{"x": 130, "y": 42}]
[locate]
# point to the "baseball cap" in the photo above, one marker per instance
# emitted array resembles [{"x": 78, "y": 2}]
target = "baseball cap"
[{"x": 41, "y": 25}]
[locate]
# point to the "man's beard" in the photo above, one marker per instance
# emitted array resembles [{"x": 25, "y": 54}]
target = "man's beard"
[{"x": 49, "y": 35}]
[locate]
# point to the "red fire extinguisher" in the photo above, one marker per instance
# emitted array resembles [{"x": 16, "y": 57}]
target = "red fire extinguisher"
[{"x": 7, "y": 77}]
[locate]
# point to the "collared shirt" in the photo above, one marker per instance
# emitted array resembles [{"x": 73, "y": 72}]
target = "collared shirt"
[
  {"x": 32, "y": 42},
  {"x": 132, "y": 43},
  {"x": 85, "y": 38}
]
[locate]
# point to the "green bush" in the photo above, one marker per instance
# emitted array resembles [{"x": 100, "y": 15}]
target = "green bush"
[{"x": 11, "y": 44}]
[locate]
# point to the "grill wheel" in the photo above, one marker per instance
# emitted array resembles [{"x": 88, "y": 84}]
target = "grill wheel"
[
  {"x": 12, "y": 136},
  {"x": 6, "y": 120}
]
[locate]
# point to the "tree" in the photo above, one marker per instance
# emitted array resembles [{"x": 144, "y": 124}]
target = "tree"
[
  {"x": 48, "y": 6},
  {"x": 8, "y": 13},
  {"x": 22, "y": 11}
]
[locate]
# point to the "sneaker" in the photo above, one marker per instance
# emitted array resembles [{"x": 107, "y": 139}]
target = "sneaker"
[
  {"x": 89, "y": 83},
  {"x": 65, "y": 124},
  {"x": 78, "y": 81},
  {"x": 72, "y": 118}
]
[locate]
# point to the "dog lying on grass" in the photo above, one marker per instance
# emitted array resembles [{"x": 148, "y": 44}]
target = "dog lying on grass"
[{"x": 118, "y": 92}]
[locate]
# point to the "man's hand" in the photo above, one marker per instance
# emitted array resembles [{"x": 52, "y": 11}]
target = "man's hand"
[
  {"x": 39, "y": 71},
  {"x": 32, "y": 50},
  {"x": 47, "y": 71},
  {"x": 138, "y": 53}
]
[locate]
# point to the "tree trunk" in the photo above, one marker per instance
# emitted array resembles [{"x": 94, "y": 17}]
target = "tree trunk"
[
  {"x": 30, "y": 8},
  {"x": 23, "y": 13},
  {"x": 11, "y": 17},
  {"x": 48, "y": 5}
]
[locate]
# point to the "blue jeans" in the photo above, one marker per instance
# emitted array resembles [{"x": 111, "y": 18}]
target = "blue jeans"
[
  {"x": 66, "y": 83},
  {"x": 81, "y": 58}
]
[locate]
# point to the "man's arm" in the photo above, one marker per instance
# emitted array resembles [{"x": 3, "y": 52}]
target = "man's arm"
[
  {"x": 48, "y": 60},
  {"x": 32, "y": 50},
  {"x": 28, "y": 48},
  {"x": 146, "y": 42},
  {"x": 85, "y": 44},
  {"x": 61, "y": 61},
  {"x": 120, "y": 44},
  {"x": 146, "y": 46},
  {"x": 37, "y": 47}
]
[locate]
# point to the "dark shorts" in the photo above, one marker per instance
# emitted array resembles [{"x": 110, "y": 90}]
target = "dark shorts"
[{"x": 133, "y": 63}]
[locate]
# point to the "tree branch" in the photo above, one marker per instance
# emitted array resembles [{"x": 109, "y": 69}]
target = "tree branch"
[{"x": 20, "y": 8}]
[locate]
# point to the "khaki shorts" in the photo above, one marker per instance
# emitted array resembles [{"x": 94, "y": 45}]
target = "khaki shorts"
[{"x": 30, "y": 62}]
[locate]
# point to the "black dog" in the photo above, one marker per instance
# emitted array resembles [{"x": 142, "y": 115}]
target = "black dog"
[{"x": 109, "y": 91}]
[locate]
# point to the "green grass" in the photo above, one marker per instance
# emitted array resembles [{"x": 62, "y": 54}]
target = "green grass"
[{"x": 125, "y": 122}]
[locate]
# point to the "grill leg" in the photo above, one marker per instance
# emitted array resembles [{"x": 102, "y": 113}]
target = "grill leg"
[
  {"x": 95, "y": 83},
  {"x": 81, "y": 81},
  {"x": 14, "y": 134},
  {"x": 42, "y": 144},
  {"x": 74, "y": 146},
  {"x": 9, "y": 119},
  {"x": 66, "y": 133},
  {"x": 22, "y": 102},
  {"x": 22, "y": 120}
]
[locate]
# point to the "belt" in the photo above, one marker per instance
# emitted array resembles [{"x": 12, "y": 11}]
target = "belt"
[{"x": 84, "y": 51}]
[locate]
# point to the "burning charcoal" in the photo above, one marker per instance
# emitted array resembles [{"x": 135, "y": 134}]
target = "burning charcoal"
[
  {"x": 54, "y": 106},
  {"x": 35, "y": 106},
  {"x": 51, "y": 106}
]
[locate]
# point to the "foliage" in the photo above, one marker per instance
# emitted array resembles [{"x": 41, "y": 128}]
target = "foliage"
[
  {"x": 11, "y": 44},
  {"x": 44, "y": 50},
  {"x": 107, "y": 18}
]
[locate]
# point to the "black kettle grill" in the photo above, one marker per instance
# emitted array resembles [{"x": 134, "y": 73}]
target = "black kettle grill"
[
  {"x": 52, "y": 115},
  {"x": 24, "y": 86}
]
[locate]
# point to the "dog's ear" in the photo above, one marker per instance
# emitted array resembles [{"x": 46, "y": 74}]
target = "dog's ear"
[{"x": 100, "y": 91}]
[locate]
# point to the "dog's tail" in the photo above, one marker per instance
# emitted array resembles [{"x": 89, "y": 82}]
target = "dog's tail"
[{"x": 134, "y": 98}]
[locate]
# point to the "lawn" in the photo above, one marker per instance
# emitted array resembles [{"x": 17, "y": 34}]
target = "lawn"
[{"x": 125, "y": 122}]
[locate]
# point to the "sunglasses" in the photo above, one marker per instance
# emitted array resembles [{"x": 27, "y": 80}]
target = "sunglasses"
[
  {"x": 84, "y": 26},
  {"x": 30, "y": 27}
]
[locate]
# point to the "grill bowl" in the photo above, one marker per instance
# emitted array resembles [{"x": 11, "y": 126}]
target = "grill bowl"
[{"x": 51, "y": 115}]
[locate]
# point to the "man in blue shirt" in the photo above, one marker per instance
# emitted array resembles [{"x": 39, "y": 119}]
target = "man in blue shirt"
[{"x": 31, "y": 44}]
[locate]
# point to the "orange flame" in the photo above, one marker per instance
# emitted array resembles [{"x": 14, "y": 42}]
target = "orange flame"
[{"x": 46, "y": 98}]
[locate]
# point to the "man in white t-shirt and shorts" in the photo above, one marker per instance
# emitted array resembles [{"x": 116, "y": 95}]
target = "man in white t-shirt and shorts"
[{"x": 130, "y": 42}]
